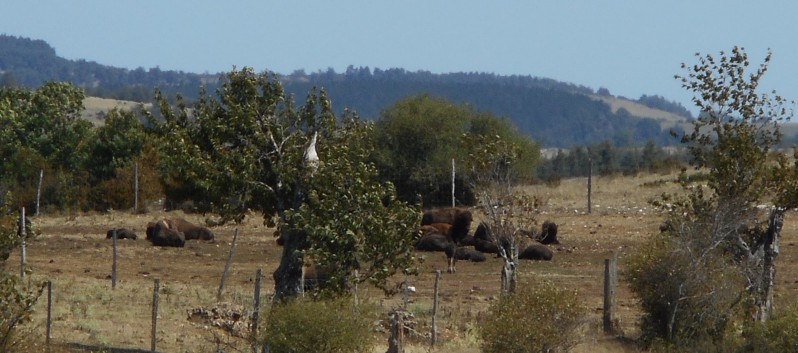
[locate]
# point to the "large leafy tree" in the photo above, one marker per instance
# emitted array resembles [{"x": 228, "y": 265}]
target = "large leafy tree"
[
  {"x": 42, "y": 129},
  {"x": 715, "y": 264},
  {"x": 418, "y": 137},
  {"x": 245, "y": 149}
]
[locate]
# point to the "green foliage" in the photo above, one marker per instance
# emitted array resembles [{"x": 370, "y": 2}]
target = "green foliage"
[
  {"x": 114, "y": 144},
  {"x": 16, "y": 299},
  {"x": 417, "y": 138},
  {"x": 779, "y": 334},
  {"x": 536, "y": 317},
  {"x": 317, "y": 326},
  {"x": 608, "y": 160},
  {"x": 685, "y": 297},
  {"x": 353, "y": 222},
  {"x": 714, "y": 266},
  {"x": 245, "y": 150},
  {"x": 42, "y": 130}
]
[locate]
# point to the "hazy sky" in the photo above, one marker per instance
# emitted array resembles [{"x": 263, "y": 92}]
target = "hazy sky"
[{"x": 629, "y": 47}]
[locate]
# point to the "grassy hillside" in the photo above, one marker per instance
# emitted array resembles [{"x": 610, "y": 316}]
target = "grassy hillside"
[
  {"x": 666, "y": 119},
  {"x": 97, "y": 107}
]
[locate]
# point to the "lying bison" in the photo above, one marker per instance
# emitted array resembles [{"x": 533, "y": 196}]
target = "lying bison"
[
  {"x": 536, "y": 251},
  {"x": 160, "y": 234},
  {"x": 190, "y": 230},
  {"x": 121, "y": 233},
  {"x": 469, "y": 254},
  {"x": 548, "y": 234}
]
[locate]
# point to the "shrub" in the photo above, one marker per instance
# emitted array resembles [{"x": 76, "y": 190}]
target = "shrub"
[
  {"x": 535, "y": 318},
  {"x": 330, "y": 326},
  {"x": 16, "y": 300},
  {"x": 686, "y": 297},
  {"x": 780, "y": 334}
]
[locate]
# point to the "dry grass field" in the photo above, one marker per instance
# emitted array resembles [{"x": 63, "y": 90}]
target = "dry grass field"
[
  {"x": 95, "y": 107},
  {"x": 89, "y": 316}
]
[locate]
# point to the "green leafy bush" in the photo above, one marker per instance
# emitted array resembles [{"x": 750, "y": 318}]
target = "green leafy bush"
[
  {"x": 16, "y": 299},
  {"x": 536, "y": 317},
  {"x": 780, "y": 334},
  {"x": 317, "y": 326}
]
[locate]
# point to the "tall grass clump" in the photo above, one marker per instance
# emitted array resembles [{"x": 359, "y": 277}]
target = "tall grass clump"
[{"x": 537, "y": 317}]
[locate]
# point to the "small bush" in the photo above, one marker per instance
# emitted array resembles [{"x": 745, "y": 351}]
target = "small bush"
[
  {"x": 329, "y": 326},
  {"x": 537, "y": 317},
  {"x": 780, "y": 334}
]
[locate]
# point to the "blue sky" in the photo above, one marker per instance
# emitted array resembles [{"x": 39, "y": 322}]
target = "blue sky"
[{"x": 629, "y": 47}]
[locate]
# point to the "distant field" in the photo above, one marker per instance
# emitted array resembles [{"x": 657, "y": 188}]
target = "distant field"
[
  {"x": 94, "y": 106},
  {"x": 666, "y": 119}
]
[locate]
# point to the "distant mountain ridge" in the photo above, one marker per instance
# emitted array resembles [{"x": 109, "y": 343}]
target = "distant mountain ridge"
[{"x": 554, "y": 113}]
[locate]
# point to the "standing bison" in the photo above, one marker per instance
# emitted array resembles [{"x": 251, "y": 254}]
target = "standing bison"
[{"x": 451, "y": 226}]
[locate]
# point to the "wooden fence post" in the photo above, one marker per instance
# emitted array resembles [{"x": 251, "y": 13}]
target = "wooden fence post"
[
  {"x": 113, "y": 266},
  {"x": 256, "y": 310},
  {"x": 590, "y": 186},
  {"x": 434, "y": 335},
  {"x": 610, "y": 280},
  {"x": 405, "y": 293},
  {"x": 395, "y": 342},
  {"x": 39, "y": 191},
  {"x": 22, "y": 234},
  {"x": 155, "y": 291},
  {"x": 136, "y": 187},
  {"x": 227, "y": 266},
  {"x": 453, "y": 182},
  {"x": 49, "y": 314}
]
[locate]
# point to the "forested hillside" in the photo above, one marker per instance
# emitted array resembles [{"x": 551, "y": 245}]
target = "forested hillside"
[{"x": 554, "y": 113}]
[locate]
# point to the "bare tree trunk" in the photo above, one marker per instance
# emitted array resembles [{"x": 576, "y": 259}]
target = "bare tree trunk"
[
  {"x": 770, "y": 251},
  {"x": 509, "y": 277},
  {"x": 288, "y": 276}
]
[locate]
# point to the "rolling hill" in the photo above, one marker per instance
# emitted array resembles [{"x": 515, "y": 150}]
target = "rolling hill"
[{"x": 554, "y": 113}]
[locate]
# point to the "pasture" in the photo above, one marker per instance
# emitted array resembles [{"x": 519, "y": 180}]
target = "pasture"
[{"x": 88, "y": 315}]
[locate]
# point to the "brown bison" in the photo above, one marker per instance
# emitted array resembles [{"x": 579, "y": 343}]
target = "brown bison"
[
  {"x": 548, "y": 234},
  {"x": 443, "y": 215},
  {"x": 536, "y": 251},
  {"x": 453, "y": 232},
  {"x": 160, "y": 234},
  {"x": 121, "y": 233},
  {"x": 435, "y": 242},
  {"x": 469, "y": 254},
  {"x": 190, "y": 230}
]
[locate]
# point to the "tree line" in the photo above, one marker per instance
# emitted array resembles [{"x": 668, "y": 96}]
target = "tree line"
[{"x": 554, "y": 113}]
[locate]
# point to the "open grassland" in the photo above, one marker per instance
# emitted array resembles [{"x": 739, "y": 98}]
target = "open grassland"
[
  {"x": 89, "y": 316},
  {"x": 95, "y": 108}
]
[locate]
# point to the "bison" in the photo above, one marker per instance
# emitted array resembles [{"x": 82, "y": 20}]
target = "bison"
[
  {"x": 469, "y": 254},
  {"x": 443, "y": 215},
  {"x": 190, "y": 230},
  {"x": 435, "y": 242},
  {"x": 121, "y": 233},
  {"x": 160, "y": 234},
  {"x": 449, "y": 234},
  {"x": 536, "y": 251},
  {"x": 548, "y": 234}
]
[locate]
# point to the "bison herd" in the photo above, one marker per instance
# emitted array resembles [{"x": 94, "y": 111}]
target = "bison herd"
[
  {"x": 447, "y": 230},
  {"x": 167, "y": 232}
]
